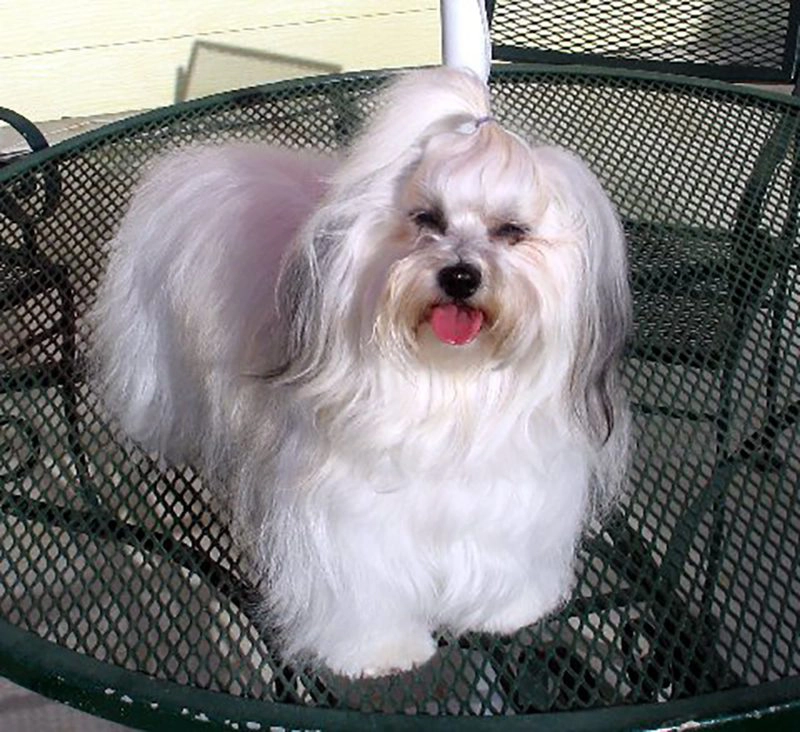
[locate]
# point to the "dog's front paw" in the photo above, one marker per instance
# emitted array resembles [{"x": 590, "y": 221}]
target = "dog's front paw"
[{"x": 374, "y": 657}]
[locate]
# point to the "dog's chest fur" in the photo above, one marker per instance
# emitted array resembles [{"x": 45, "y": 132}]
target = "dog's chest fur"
[
  {"x": 443, "y": 453},
  {"x": 445, "y": 423}
]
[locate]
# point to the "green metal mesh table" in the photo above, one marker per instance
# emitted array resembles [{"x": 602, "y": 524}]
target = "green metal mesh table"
[{"x": 122, "y": 593}]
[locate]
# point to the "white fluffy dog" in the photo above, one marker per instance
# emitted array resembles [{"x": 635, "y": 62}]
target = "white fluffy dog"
[{"x": 402, "y": 365}]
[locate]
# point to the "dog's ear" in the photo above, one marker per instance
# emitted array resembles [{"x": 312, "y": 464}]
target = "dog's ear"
[
  {"x": 603, "y": 318},
  {"x": 308, "y": 304},
  {"x": 299, "y": 309},
  {"x": 603, "y": 326}
]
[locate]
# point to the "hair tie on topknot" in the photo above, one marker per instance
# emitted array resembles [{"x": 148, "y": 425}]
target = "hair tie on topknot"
[{"x": 473, "y": 125}]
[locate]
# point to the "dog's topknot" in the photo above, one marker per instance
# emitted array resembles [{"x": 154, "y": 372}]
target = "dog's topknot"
[{"x": 413, "y": 107}]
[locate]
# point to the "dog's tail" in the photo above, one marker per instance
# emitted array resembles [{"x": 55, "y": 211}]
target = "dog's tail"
[
  {"x": 136, "y": 359},
  {"x": 190, "y": 282}
]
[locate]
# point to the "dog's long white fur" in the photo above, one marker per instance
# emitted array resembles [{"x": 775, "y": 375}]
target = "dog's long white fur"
[{"x": 264, "y": 317}]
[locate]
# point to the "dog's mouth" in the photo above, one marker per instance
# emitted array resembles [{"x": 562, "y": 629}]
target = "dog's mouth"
[{"x": 455, "y": 324}]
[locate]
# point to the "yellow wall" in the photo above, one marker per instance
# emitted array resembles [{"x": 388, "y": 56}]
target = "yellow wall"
[{"x": 87, "y": 57}]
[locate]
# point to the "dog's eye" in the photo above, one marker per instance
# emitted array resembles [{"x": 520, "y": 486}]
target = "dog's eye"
[
  {"x": 431, "y": 219},
  {"x": 510, "y": 231}
]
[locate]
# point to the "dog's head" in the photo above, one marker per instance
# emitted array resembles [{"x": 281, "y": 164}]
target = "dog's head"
[
  {"x": 491, "y": 247},
  {"x": 449, "y": 243}
]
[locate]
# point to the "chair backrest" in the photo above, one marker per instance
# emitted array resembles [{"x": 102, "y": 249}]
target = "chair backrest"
[{"x": 733, "y": 40}]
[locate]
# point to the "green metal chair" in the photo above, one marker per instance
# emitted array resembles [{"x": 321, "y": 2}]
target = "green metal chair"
[
  {"x": 28, "y": 276},
  {"x": 120, "y": 589},
  {"x": 703, "y": 281},
  {"x": 733, "y": 40}
]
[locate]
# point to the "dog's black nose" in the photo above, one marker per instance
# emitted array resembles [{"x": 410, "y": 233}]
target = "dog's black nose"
[{"x": 459, "y": 281}]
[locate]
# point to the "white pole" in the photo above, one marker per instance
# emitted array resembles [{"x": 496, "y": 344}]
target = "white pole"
[{"x": 465, "y": 36}]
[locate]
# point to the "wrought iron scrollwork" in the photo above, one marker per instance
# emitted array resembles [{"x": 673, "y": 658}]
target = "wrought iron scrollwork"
[{"x": 25, "y": 273}]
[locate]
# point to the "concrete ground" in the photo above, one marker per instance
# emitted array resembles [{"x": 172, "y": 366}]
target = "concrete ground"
[{"x": 24, "y": 711}]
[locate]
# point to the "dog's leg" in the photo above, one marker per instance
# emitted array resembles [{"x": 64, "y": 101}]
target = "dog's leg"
[
  {"x": 348, "y": 584},
  {"x": 370, "y": 630},
  {"x": 364, "y": 618},
  {"x": 541, "y": 590},
  {"x": 386, "y": 643},
  {"x": 499, "y": 591}
]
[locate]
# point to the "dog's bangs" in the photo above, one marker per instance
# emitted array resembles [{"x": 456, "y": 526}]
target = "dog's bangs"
[{"x": 490, "y": 161}]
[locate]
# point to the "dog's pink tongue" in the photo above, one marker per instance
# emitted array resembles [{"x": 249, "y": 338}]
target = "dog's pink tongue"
[{"x": 456, "y": 325}]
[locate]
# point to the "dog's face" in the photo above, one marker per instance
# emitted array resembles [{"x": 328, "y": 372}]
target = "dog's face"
[{"x": 483, "y": 263}]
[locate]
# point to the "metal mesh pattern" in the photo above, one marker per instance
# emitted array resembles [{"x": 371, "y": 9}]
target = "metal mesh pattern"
[
  {"x": 741, "y": 39},
  {"x": 694, "y": 584}
]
